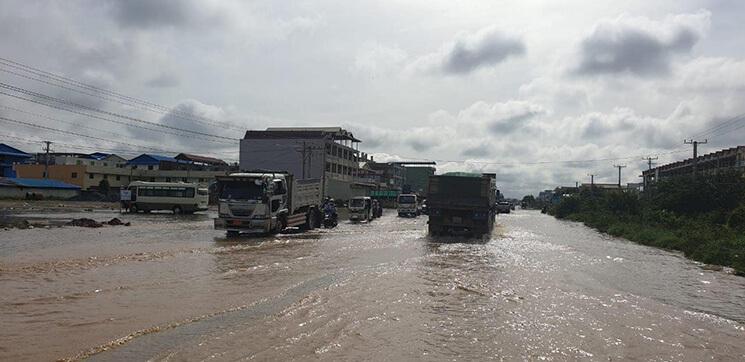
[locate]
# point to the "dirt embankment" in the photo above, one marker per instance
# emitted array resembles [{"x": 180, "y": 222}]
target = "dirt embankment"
[{"x": 23, "y": 206}]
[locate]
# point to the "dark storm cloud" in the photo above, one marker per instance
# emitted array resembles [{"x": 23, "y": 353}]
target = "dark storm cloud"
[
  {"x": 481, "y": 150},
  {"x": 484, "y": 49},
  {"x": 163, "y": 81},
  {"x": 160, "y": 13},
  {"x": 636, "y": 48},
  {"x": 512, "y": 123},
  {"x": 420, "y": 145}
]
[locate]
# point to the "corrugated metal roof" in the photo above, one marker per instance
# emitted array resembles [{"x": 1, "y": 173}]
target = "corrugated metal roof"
[
  {"x": 36, "y": 183},
  {"x": 202, "y": 159},
  {"x": 151, "y": 159},
  {"x": 6, "y": 150}
]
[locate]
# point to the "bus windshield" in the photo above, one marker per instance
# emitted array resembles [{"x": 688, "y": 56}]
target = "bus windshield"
[
  {"x": 406, "y": 199},
  {"x": 357, "y": 203},
  {"x": 241, "y": 190}
]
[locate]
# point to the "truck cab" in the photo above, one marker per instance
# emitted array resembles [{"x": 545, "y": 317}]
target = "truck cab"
[
  {"x": 360, "y": 208},
  {"x": 266, "y": 202},
  {"x": 408, "y": 205}
]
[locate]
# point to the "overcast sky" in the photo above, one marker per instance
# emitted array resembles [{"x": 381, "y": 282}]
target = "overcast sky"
[{"x": 510, "y": 87}]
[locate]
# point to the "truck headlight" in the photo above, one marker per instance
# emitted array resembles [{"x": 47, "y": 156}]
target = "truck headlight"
[{"x": 222, "y": 209}]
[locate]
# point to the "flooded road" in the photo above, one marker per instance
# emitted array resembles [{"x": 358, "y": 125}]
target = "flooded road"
[{"x": 172, "y": 288}]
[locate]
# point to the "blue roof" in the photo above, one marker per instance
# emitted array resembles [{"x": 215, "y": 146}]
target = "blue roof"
[
  {"x": 37, "y": 183},
  {"x": 150, "y": 159},
  {"x": 6, "y": 150}
]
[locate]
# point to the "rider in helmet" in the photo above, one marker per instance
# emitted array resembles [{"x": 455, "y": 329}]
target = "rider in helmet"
[{"x": 329, "y": 207}]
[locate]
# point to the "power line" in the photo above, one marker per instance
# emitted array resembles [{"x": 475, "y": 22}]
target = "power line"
[
  {"x": 539, "y": 162},
  {"x": 110, "y": 120},
  {"x": 160, "y": 109},
  {"x": 81, "y": 106},
  {"x": 75, "y": 83},
  {"x": 721, "y": 126}
]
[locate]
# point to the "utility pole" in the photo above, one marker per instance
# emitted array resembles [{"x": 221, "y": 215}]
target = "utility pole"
[
  {"x": 649, "y": 160},
  {"x": 695, "y": 150},
  {"x": 592, "y": 180},
  {"x": 46, "y": 158},
  {"x": 303, "y": 153},
  {"x": 619, "y": 167}
]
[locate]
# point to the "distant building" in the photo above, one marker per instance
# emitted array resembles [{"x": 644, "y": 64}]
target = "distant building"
[
  {"x": 416, "y": 178},
  {"x": 327, "y": 153},
  {"x": 22, "y": 188},
  {"x": 727, "y": 159},
  {"x": 10, "y": 156},
  {"x": 88, "y": 170},
  {"x": 391, "y": 175}
]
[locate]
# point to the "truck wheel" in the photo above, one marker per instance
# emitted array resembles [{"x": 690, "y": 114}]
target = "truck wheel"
[
  {"x": 281, "y": 224},
  {"x": 233, "y": 233},
  {"x": 177, "y": 210},
  {"x": 133, "y": 208},
  {"x": 310, "y": 220}
]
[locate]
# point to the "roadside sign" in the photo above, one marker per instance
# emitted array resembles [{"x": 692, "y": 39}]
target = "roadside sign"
[{"x": 125, "y": 195}]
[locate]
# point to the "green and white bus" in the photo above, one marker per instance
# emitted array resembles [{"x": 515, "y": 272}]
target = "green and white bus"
[{"x": 178, "y": 197}]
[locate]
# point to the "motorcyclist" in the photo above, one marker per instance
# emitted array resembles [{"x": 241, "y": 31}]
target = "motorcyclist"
[{"x": 329, "y": 208}]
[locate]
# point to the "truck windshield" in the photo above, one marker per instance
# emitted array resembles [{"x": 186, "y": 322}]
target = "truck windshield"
[
  {"x": 406, "y": 199},
  {"x": 357, "y": 203},
  {"x": 240, "y": 190}
]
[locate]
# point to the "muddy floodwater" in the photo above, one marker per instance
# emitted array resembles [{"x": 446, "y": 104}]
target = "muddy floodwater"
[{"x": 172, "y": 288}]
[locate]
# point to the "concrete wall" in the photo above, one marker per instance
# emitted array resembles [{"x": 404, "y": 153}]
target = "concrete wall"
[
  {"x": 15, "y": 192},
  {"x": 88, "y": 177},
  {"x": 283, "y": 155},
  {"x": 71, "y": 174}
]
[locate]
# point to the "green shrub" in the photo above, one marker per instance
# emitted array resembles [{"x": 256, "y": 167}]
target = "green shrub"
[{"x": 736, "y": 220}]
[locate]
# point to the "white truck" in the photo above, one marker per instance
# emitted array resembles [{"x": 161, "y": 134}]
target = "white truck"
[
  {"x": 267, "y": 202},
  {"x": 408, "y": 205}
]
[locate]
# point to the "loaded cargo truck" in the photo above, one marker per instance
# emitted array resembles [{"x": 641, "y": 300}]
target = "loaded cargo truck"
[
  {"x": 462, "y": 203},
  {"x": 266, "y": 202}
]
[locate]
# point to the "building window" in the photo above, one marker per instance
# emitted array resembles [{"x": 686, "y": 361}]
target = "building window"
[
  {"x": 328, "y": 167},
  {"x": 105, "y": 164},
  {"x": 105, "y": 177},
  {"x": 168, "y": 179},
  {"x": 201, "y": 179},
  {"x": 78, "y": 162},
  {"x": 185, "y": 179},
  {"x": 93, "y": 163},
  {"x": 118, "y": 177},
  {"x": 134, "y": 167},
  {"x": 74, "y": 175},
  {"x": 90, "y": 176},
  {"x": 152, "y": 179},
  {"x": 150, "y": 167}
]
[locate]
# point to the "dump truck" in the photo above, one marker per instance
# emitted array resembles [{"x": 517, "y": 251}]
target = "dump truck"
[
  {"x": 267, "y": 202},
  {"x": 462, "y": 203}
]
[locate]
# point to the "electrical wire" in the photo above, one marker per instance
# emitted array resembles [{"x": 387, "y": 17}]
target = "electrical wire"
[{"x": 108, "y": 113}]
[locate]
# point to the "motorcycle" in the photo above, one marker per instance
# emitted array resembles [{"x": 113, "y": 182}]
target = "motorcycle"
[{"x": 330, "y": 220}]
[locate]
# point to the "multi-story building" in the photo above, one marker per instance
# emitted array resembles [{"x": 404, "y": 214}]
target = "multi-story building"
[
  {"x": 728, "y": 159},
  {"x": 390, "y": 175},
  {"x": 417, "y": 178},
  {"x": 327, "y": 153}
]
